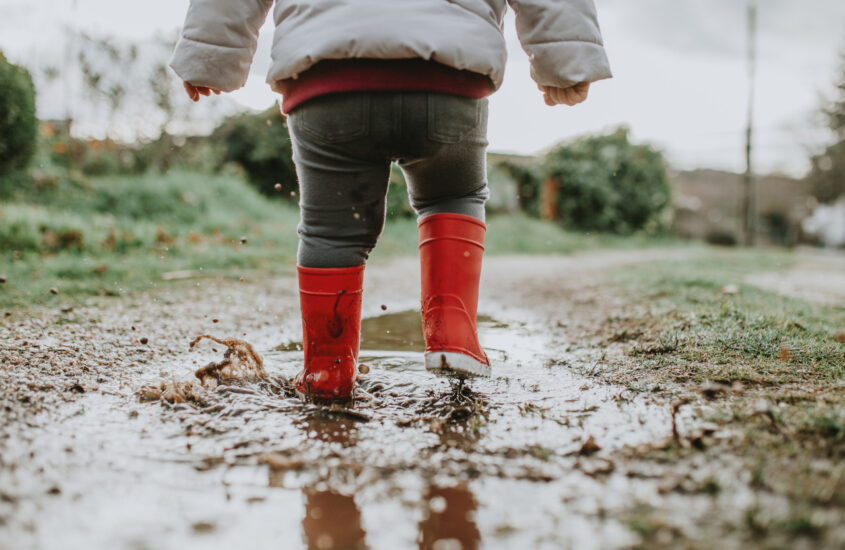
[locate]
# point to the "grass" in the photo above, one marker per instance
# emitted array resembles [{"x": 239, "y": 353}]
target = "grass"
[
  {"x": 114, "y": 235},
  {"x": 118, "y": 234},
  {"x": 777, "y": 365},
  {"x": 706, "y": 323}
]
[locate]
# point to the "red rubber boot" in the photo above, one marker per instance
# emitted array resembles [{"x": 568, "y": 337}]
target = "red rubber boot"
[
  {"x": 330, "y": 299},
  {"x": 451, "y": 246}
]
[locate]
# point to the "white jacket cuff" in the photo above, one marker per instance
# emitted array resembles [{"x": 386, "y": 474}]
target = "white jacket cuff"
[
  {"x": 566, "y": 63},
  {"x": 219, "y": 67}
]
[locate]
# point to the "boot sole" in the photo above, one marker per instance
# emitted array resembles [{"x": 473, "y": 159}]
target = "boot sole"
[{"x": 449, "y": 363}]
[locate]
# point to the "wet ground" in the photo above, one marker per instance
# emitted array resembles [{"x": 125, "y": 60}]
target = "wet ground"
[{"x": 531, "y": 458}]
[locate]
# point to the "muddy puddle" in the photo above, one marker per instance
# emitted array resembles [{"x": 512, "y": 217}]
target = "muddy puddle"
[{"x": 520, "y": 460}]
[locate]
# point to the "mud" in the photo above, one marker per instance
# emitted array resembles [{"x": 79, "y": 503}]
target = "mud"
[{"x": 147, "y": 455}]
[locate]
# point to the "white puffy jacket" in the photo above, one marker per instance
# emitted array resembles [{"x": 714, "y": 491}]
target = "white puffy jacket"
[{"x": 561, "y": 37}]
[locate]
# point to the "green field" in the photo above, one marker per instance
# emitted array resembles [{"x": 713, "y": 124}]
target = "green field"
[{"x": 118, "y": 234}]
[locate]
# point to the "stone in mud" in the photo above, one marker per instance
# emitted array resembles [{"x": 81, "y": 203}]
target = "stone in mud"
[{"x": 240, "y": 360}]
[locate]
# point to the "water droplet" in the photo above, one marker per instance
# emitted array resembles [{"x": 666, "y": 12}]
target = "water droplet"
[{"x": 437, "y": 504}]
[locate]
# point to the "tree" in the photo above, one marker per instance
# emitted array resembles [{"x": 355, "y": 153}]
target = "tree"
[
  {"x": 260, "y": 143},
  {"x": 18, "y": 122},
  {"x": 827, "y": 175},
  {"x": 605, "y": 183}
]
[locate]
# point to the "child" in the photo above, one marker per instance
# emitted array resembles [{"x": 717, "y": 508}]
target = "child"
[{"x": 368, "y": 82}]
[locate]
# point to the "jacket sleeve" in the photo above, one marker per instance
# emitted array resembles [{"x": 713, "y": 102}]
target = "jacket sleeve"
[
  {"x": 218, "y": 42},
  {"x": 562, "y": 40}
]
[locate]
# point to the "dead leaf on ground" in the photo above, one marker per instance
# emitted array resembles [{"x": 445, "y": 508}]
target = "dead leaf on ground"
[{"x": 589, "y": 447}]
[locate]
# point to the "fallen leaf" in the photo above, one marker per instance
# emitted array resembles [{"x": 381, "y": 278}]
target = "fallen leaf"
[{"x": 589, "y": 447}]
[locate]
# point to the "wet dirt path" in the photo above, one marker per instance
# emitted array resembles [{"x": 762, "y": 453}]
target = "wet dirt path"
[{"x": 526, "y": 459}]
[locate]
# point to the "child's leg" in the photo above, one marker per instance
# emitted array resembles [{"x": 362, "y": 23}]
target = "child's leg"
[
  {"x": 448, "y": 189},
  {"x": 452, "y": 181},
  {"x": 342, "y": 185},
  {"x": 342, "y": 196}
]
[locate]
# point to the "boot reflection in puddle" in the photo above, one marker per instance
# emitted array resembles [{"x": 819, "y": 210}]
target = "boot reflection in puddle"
[
  {"x": 332, "y": 521},
  {"x": 330, "y": 429},
  {"x": 449, "y": 520}
]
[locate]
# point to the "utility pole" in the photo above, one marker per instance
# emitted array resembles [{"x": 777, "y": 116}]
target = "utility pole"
[{"x": 748, "y": 203}]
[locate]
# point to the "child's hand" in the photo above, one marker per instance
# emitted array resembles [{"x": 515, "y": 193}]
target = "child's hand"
[
  {"x": 568, "y": 96},
  {"x": 194, "y": 92}
]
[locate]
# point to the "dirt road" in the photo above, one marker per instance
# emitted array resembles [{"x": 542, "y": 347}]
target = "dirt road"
[{"x": 539, "y": 456}]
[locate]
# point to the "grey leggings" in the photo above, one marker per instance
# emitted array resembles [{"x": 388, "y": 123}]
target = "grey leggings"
[{"x": 343, "y": 145}]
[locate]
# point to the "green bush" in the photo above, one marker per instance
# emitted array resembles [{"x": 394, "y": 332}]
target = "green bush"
[
  {"x": 260, "y": 143},
  {"x": 18, "y": 123},
  {"x": 121, "y": 213},
  {"x": 827, "y": 175},
  {"x": 607, "y": 184}
]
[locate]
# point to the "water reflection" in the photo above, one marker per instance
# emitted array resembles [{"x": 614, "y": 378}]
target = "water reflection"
[
  {"x": 400, "y": 331},
  {"x": 449, "y": 519},
  {"x": 332, "y": 521},
  {"x": 325, "y": 426}
]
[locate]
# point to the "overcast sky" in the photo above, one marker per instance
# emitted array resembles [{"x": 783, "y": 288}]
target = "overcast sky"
[{"x": 680, "y": 78}]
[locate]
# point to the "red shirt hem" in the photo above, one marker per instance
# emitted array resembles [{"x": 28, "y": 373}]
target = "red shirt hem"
[{"x": 359, "y": 75}]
